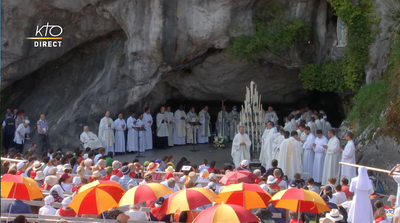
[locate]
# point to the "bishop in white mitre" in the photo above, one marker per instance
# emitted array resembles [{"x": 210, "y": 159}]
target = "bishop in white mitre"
[
  {"x": 191, "y": 117},
  {"x": 180, "y": 126},
  {"x": 290, "y": 155},
  {"x": 106, "y": 132},
  {"x": 89, "y": 139},
  {"x": 132, "y": 142},
  {"x": 240, "y": 147},
  {"x": 267, "y": 149},
  {"x": 148, "y": 121},
  {"x": 204, "y": 131},
  {"x": 120, "y": 127}
]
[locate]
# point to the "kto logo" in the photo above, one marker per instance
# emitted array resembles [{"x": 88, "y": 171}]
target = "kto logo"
[{"x": 47, "y": 36}]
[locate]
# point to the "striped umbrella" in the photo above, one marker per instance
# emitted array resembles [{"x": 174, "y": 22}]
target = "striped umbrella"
[
  {"x": 226, "y": 213},
  {"x": 144, "y": 192},
  {"x": 19, "y": 187}
]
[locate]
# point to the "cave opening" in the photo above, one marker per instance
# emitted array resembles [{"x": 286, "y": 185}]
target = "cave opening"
[{"x": 329, "y": 102}]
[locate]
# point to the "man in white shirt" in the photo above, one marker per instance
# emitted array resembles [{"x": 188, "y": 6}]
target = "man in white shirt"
[
  {"x": 89, "y": 139},
  {"x": 339, "y": 196},
  {"x": 135, "y": 213},
  {"x": 19, "y": 136}
]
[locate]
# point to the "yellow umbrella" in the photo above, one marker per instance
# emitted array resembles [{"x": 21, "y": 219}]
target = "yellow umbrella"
[
  {"x": 144, "y": 192},
  {"x": 189, "y": 199},
  {"x": 249, "y": 196}
]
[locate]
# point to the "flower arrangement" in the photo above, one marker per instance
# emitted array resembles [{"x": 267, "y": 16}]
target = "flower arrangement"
[{"x": 219, "y": 142}]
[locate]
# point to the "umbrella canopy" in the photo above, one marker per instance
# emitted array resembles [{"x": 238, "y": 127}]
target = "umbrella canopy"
[
  {"x": 239, "y": 176},
  {"x": 249, "y": 196},
  {"x": 97, "y": 197},
  {"x": 19, "y": 187},
  {"x": 300, "y": 200},
  {"x": 144, "y": 192},
  {"x": 189, "y": 199},
  {"x": 226, "y": 213}
]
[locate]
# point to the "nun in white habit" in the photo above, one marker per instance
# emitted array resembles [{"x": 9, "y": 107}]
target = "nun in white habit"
[{"x": 361, "y": 209}]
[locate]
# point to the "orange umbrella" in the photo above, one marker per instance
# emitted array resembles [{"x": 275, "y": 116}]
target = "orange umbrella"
[
  {"x": 97, "y": 197},
  {"x": 299, "y": 200},
  {"x": 226, "y": 213},
  {"x": 189, "y": 199},
  {"x": 19, "y": 187},
  {"x": 144, "y": 192},
  {"x": 239, "y": 176},
  {"x": 249, "y": 196}
]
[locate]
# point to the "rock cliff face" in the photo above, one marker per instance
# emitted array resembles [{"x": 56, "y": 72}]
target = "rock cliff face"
[{"x": 119, "y": 55}]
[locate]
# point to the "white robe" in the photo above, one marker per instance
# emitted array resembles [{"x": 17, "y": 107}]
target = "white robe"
[
  {"x": 277, "y": 142},
  {"x": 162, "y": 127},
  {"x": 233, "y": 122},
  {"x": 148, "y": 134},
  {"x": 328, "y": 127},
  {"x": 324, "y": 129},
  {"x": 349, "y": 156},
  {"x": 267, "y": 150},
  {"x": 360, "y": 209},
  {"x": 271, "y": 116},
  {"x": 332, "y": 159},
  {"x": 120, "y": 126},
  {"x": 318, "y": 124},
  {"x": 180, "y": 128},
  {"x": 170, "y": 118},
  {"x": 313, "y": 127},
  {"x": 132, "y": 144},
  {"x": 191, "y": 130},
  {"x": 90, "y": 140},
  {"x": 308, "y": 155},
  {"x": 289, "y": 159},
  {"x": 204, "y": 131},
  {"x": 288, "y": 127},
  {"x": 222, "y": 124},
  {"x": 239, "y": 152},
  {"x": 106, "y": 133},
  {"x": 142, "y": 136},
  {"x": 319, "y": 158}
]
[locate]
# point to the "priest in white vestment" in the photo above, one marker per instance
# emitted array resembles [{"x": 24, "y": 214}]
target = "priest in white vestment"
[
  {"x": 317, "y": 122},
  {"x": 191, "y": 130},
  {"x": 120, "y": 127},
  {"x": 349, "y": 156},
  {"x": 308, "y": 155},
  {"x": 290, "y": 156},
  {"x": 132, "y": 144},
  {"x": 277, "y": 142},
  {"x": 180, "y": 126},
  {"x": 332, "y": 158},
  {"x": 148, "y": 122},
  {"x": 171, "y": 123},
  {"x": 233, "y": 122},
  {"x": 303, "y": 135},
  {"x": 267, "y": 149},
  {"x": 240, "y": 147},
  {"x": 288, "y": 125},
  {"x": 319, "y": 157},
  {"x": 106, "y": 132},
  {"x": 270, "y": 115},
  {"x": 204, "y": 131},
  {"x": 142, "y": 136},
  {"x": 313, "y": 127},
  {"x": 89, "y": 139},
  {"x": 361, "y": 209},
  {"x": 222, "y": 123},
  {"x": 162, "y": 129}
]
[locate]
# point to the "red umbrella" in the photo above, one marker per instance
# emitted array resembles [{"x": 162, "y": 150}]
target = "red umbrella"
[{"x": 239, "y": 176}]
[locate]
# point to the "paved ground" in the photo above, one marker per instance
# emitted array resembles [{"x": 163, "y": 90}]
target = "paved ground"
[{"x": 206, "y": 151}]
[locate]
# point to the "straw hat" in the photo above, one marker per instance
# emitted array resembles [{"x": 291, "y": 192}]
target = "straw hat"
[
  {"x": 102, "y": 163},
  {"x": 116, "y": 164},
  {"x": 192, "y": 176},
  {"x": 52, "y": 171},
  {"x": 152, "y": 167},
  {"x": 37, "y": 166},
  {"x": 88, "y": 162},
  {"x": 39, "y": 175},
  {"x": 170, "y": 169},
  {"x": 109, "y": 169},
  {"x": 50, "y": 180},
  {"x": 96, "y": 174},
  {"x": 67, "y": 167},
  {"x": 334, "y": 215}
]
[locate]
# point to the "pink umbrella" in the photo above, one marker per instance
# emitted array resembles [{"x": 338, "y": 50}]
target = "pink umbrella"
[{"x": 239, "y": 176}]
